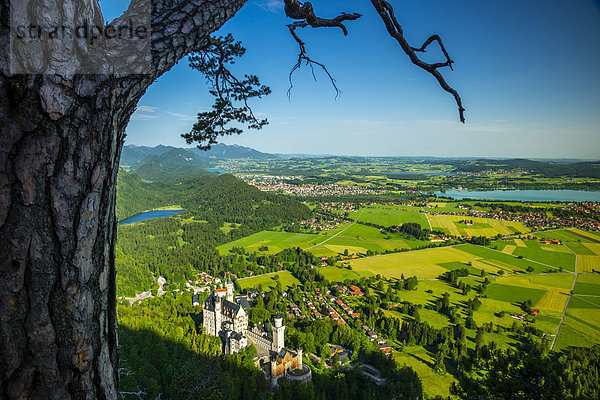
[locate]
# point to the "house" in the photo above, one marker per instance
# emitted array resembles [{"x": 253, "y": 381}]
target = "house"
[{"x": 355, "y": 290}]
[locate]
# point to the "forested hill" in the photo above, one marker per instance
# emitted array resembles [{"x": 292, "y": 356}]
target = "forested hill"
[
  {"x": 217, "y": 199},
  {"x": 132, "y": 156},
  {"x": 228, "y": 199},
  {"x": 547, "y": 169},
  {"x": 172, "y": 165},
  {"x": 135, "y": 196}
]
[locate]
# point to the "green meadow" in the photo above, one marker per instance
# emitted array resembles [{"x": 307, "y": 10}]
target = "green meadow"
[
  {"x": 389, "y": 215},
  {"x": 419, "y": 359},
  {"x": 275, "y": 241},
  {"x": 431, "y": 263},
  {"x": 356, "y": 238},
  {"x": 337, "y": 274},
  {"x": 360, "y": 238},
  {"x": 269, "y": 280}
]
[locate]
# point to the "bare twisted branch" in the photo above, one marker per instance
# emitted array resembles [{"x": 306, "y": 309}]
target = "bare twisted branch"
[{"x": 386, "y": 12}]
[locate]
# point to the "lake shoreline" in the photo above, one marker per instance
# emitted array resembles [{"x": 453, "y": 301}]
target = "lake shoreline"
[
  {"x": 161, "y": 212},
  {"x": 529, "y": 195}
]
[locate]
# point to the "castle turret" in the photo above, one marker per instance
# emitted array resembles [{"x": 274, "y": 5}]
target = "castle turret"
[
  {"x": 229, "y": 289},
  {"x": 278, "y": 334}
]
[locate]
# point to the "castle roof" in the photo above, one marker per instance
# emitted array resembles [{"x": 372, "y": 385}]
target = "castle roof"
[
  {"x": 243, "y": 301},
  {"x": 228, "y": 308}
]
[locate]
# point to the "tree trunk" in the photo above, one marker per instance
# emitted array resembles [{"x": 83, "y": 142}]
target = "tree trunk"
[{"x": 60, "y": 144}]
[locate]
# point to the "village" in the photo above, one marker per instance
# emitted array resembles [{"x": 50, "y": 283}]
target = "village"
[{"x": 277, "y": 184}]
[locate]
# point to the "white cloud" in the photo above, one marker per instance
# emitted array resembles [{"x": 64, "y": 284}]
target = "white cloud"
[
  {"x": 144, "y": 113},
  {"x": 183, "y": 117},
  {"x": 143, "y": 117},
  {"x": 146, "y": 109},
  {"x": 272, "y": 6}
]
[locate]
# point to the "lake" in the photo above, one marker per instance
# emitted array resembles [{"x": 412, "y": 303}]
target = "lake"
[
  {"x": 149, "y": 215},
  {"x": 523, "y": 195},
  {"x": 218, "y": 170}
]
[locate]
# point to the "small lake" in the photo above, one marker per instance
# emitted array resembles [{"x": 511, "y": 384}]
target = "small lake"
[
  {"x": 523, "y": 195},
  {"x": 218, "y": 170},
  {"x": 149, "y": 215}
]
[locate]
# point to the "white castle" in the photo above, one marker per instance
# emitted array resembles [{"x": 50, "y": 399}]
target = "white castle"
[{"x": 225, "y": 317}]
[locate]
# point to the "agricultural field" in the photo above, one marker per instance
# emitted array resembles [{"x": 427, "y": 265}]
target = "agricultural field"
[
  {"x": 450, "y": 224},
  {"x": 581, "y": 326},
  {"x": 359, "y": 238},
  {"x": 275, "y": 241},
  {"x": 356, "y": 238},
  {"x": 268, "y": 280},
  {"x": 425, "y": 264},
  {"x": 431, "y": 263},
  {"x": 389, "y": 215},
  {"x": 580, "y": 242},
  {"x": 554, "y": 256}
]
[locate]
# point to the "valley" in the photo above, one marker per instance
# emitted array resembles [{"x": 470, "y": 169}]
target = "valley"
[{"x": 381, "y": 269}]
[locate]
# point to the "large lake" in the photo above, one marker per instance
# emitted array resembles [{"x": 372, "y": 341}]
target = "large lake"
[
  {"x": 149, "y": 215},
  {"x": 523, "y": 195}
]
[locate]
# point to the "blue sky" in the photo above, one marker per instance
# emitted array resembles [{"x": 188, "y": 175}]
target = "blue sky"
[{"x": 527, "y": 72}]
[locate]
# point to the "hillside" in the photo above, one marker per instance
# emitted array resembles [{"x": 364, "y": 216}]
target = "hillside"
[
  {"x": 228, "y": 199},
  {"x": 224, "y": 151},
  {"x": 170, "y": 165},
  {"x": 132, "y": 156},
  {"x": 135, "y": 196}
]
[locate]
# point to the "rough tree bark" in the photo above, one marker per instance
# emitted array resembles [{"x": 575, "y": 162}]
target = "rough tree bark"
[{"x": 61, "y": 139}]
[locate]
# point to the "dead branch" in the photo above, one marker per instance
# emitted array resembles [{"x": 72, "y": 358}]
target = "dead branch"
[
  {"x": 386, "y": 12},
  {"x": 304, "y": 13},
  {"x": 296, "y": 10}
]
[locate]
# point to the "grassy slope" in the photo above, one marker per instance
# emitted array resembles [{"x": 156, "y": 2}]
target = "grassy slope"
[{"x": 267, "y": 280}]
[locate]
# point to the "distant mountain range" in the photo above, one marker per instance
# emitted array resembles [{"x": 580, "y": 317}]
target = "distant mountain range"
[
  {"x": 133, "y": 155},
  {"x": 165, "y": 163}
]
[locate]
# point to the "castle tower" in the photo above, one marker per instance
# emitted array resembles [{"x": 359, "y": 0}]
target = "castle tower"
[
  {"x": 278, "y": 335},
  {"x": 273, "y": 372},
  {"x": 229, "y": 288},
  {"x": 299, "y": 358},
  {"x": 217, "y": 315}
]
